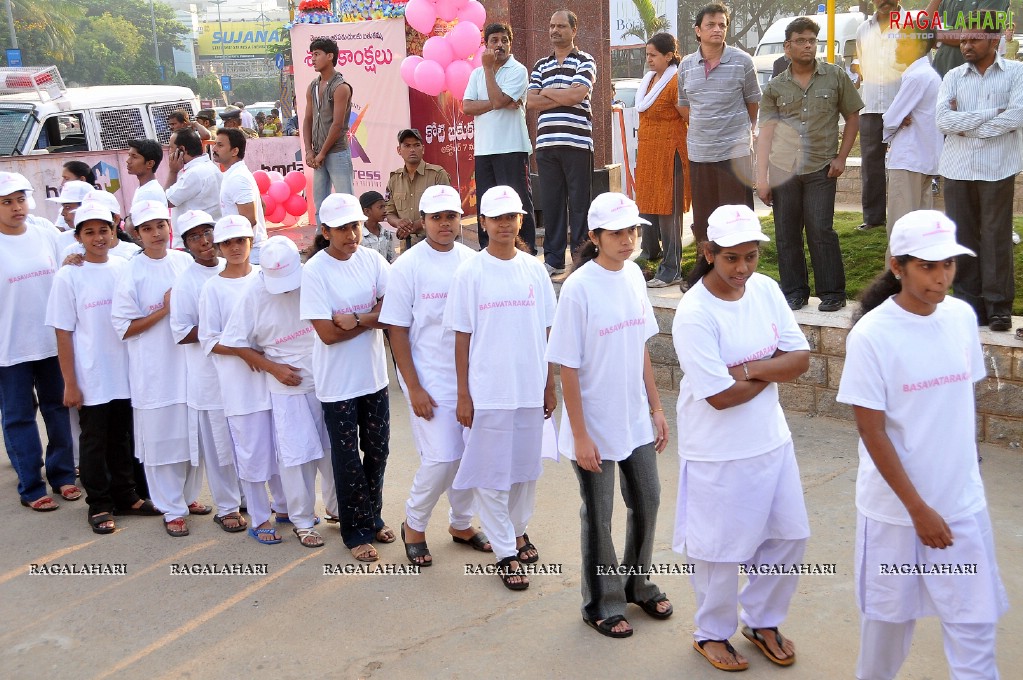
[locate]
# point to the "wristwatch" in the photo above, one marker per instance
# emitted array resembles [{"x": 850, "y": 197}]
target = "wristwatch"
[{"x": 358, "y": 321}]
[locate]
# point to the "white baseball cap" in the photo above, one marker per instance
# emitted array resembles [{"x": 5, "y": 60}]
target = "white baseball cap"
[
  {"x": 730, "y": 225},
  {"x": 613, "y": 212},
  {"x": 104, "y": 199},
  {"x": 281, "y": 264},
  {"x": 338, "y": 210},
  {"x": 231, "y": 226},
  {"x": 73, "y": 192},
  {"x": 500, "y": 200},
  {"x": 926, "y": 234},
  {"x": 440, "y": 198},
  {"x": 144, "y": 211},
  {"x": 11, "y": 182},
  {"x": 192, "y": 219},
  {"x": 92, "y": 211}
]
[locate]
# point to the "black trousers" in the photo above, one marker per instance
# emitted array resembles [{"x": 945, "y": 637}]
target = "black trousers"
[
  {"x": 982, "y": 212},
  {"x": 507, "y": 169},
  {"x": 565, "y": 175},
  {"x": 873, "y": 180},
  {"x": 106, "y": 463},
  {"x": 717, "y": 184}
]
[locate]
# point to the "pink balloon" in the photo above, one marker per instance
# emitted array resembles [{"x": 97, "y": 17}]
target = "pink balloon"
[
  {"x": 446, "y": 10},
  {"x": 430, "y": 78},
  {"x": 478, "y": 57},
  {"x": 473, "y": 12},
  {"x": 269, "y": 204},
  {"x": 279, "y": 191},
  {"x": 295, "y": 205},
  {"x": 457, "y": 77},
  {"x": 408, "y": 69},
  {"x": 464, "y": 39},
  {"x": 459, "y": 4},
  {"x": 262, "y": 180},
  {"x": 437, "y": 49},
  {"x": 277, "y": 216},
  {"x": 295, "y": 181},
  {"x": 275, "y": 177},
  {"x": 421, "y": 15},
  {"x": 289, "y": 220}
]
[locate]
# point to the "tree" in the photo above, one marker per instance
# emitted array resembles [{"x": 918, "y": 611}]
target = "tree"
[
  {"x": 45, "y": 29},
  {"x": 649, "y": 22}
]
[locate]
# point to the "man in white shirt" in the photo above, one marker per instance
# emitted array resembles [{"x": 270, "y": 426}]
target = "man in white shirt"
[
  {"x": 495, "y": 96},
  {"x": 193, "y": 180},
  {"x": 239, "y": 194},
  {"x": 910, "y": 131},
  {"x": 247, "y": 119},
  {"x": 879, "y": 82},
  {"x": 980, "y": 111},
  {"x": 144, "y": 157}
]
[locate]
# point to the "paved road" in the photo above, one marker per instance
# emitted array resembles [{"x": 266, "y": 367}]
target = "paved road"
[{"x": 296, "y": 622}]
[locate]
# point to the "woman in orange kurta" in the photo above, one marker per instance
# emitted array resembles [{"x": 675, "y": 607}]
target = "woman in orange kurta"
[{"x": 661, "y": 159}]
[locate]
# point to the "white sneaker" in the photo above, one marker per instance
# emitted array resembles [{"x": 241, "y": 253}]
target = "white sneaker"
[
  {"x": 657, "y": 283},
  {"x": 553, "y": 271}
]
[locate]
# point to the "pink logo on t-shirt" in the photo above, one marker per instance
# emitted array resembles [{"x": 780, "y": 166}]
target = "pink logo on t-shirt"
[
  {"x": 154, "y": 307},
  {"x": 97, "y": 303},
  {"x": 297, "y": 334},
  {"x": 433, "y": 296},
  {"x": 936, "y": 382},
  {"x": 614, "y": 328},
  {"x": 30, "y": 275}
]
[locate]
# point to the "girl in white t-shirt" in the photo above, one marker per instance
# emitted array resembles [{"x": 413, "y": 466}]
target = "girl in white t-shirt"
[
  {"x": 156, "y": 366},
  {"x": 245, "y": 396},
  {"x": 599, "y": 336},
  {"x": 912, "y": 358},
  {"x": 342, "y": 289},
  {"x": 424, "y": 353},
  {"x": 740, "y": 501},
  {"x": 267, "y": 331},
  {"x": 29, "y": 371},
  {"x": 94, "y": 363},
  {"x": 501, "y": 305}
]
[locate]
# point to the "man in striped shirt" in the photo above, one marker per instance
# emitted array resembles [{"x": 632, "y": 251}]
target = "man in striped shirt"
[
  {"x": 559, "y": 88},
  {"x": 980, "y": 111},
  {"x": 719, "y": 96}
]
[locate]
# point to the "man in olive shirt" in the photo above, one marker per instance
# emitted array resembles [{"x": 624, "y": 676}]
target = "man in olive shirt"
[
  {"x": 406, "y": 185},
  {"x": 798, "y": 140}
]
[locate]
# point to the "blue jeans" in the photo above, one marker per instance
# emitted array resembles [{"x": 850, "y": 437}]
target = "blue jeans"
[
  {"x": 359, "y": 423},
  {"x": 20, "y": 386},
  {"x": 337, "y": 171}
]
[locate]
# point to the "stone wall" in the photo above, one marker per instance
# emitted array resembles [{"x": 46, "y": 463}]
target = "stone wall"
[{"x": 999, "y": 396}]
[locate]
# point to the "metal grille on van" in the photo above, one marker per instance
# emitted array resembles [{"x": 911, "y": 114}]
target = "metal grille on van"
[
  {"x": 118, "y": 126},
  {"x": 160, "y": 113}
]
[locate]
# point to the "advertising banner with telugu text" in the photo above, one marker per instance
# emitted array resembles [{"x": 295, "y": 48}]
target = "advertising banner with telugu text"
[
  {"x": 448, "y": 135},
  {"x": 369, "y": 59}
]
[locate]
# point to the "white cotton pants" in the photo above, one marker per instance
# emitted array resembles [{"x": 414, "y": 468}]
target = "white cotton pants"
[
  {"x": 258, "y": 502},
  {"x": 431, "y": 480},
  {"x": 327, "y": 488},
  {"x": 884, "y": 646},
  {"x": 167, "y": 488},
  {"x": 765, "y": 599},
  {"x": 299, "y": 482},
  {"x": 193, "y": 485},
  {"x": 213, "y": 434},
  {"x": 505, "y": 514}
]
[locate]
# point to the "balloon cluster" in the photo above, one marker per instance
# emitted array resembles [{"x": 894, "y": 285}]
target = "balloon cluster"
[
  {"x": 447, "y": 59},
  {"x": 364, "y": 10},
  {"x": 283, "y": 201}
]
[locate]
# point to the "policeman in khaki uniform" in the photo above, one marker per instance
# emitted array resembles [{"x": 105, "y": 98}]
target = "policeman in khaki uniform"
[{"x": 406, "y": 185}]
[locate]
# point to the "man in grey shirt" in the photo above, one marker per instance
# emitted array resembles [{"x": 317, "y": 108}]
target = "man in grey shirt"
[
  {"x": 718, "y": 94},
  {"x": 325, "y": 125}
]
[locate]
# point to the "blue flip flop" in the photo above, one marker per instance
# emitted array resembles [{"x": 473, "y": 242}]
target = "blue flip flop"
[{"x": 256, "y": 533}]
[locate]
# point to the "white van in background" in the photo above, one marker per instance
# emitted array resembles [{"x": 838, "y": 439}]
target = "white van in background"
[
  {"x": 771, "y": 45},
  {"x": 39, "y": 115}
]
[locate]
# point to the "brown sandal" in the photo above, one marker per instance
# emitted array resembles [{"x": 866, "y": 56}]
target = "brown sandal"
[
  {"x": 176, "y": 527},
  {"x": 41, "y": 504},
  {"x": 240, "y": 523},
  {"x": 365, "y": 553}
]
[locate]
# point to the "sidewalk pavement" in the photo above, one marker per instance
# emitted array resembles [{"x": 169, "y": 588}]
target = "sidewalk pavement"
[{"x": 296, "y": 622}]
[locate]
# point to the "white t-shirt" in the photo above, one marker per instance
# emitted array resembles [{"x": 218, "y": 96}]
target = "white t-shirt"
[
  {"x": 238, "y": 187},
  {"x": 355, "y": 367},
  {"x": 28, "y": 263},
  {"x": 273, "y": 324},
  {"x": 501, "y": 130},
  {"x": 197, "y": 188},
  {"x": 80, "y": 302},
  {"x": 920, "y": 371},
  {"x": 203, "y": 383},
  {"x": 507, "y": 306},
  {"x": 156, "y": 363},
  {"x": 416, "y": 296},
  {"x": 710, "y": 335},
  {"x": 150, "y": 191},
  {"x": 244, "y": 390},
  {"x": 43, "y": 222},
  {"x": 603, "y": 321}
]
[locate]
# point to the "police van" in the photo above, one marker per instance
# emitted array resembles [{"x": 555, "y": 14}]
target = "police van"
[{"x": 39, "y": 115}]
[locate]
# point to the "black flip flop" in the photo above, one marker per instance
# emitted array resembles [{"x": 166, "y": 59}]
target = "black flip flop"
[
  {"x": 416, "y": 552},
  {"x": 606, "y": 627},
  {"x": 527, "y": 546},
  {"x": 650, "y": 606},
  {"x": 101, "y": 518},
  {"x": 504, "y": 570},
  {"x": 242, "y": 524},
  {"x": 147, "y": 509},
  {"x": 478, "y": 541}
]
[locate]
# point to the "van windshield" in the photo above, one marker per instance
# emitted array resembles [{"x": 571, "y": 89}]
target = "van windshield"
[{"x": 15, "y": 124}]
